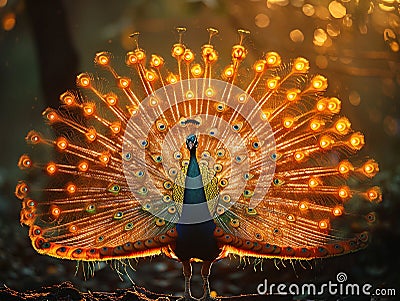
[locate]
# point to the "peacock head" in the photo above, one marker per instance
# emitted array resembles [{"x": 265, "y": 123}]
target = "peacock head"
[{"x": 191, "y": 142}]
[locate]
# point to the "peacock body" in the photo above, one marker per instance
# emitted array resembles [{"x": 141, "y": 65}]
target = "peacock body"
[{"x": 197, "y": 163}]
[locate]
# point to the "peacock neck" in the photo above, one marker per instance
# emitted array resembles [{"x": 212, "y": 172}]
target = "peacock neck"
[{"x": 194, "y": 190}]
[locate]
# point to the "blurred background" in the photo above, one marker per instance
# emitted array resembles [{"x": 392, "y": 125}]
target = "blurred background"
[{"x": 44, "y": 44}]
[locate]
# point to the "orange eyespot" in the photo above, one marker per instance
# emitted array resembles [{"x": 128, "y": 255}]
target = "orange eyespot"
[
  {"x": 115, "y": 127},
  {"x": 131, "y": 58},
  {"x": 188, "y": 56},
  {"x": 345, "y": 167},
  {"x": 370, "y": 168},
  {"x": 111, "y": 99},
  {"x": 303, "y": 205},
  {"x": 102, "y": 58},
  {"x": 83, "y": 166},
  {"x": 323, "y": 224},
  {"x": 83, "y": 80},
  {"x": 172, "y": 78},
  {"x": 105, "y": 158},
  {"x": 51, "y": 168},
  {"x": 24, "y": 162},
  {"x": 61, "y": 143},
  {"x": 333, "y": 105},
  {"x": 313, "y": 182},
  {"x": 259, "y": 66},
  {"x": 209, "y": 54},
  {"x": 150, "y": 76},
  {"x": 344, "y": 193},
  {"x": 273, "y": 59},
  {"x": 68, "y": 98},
  {"x": 196, "y": 70},
  {"x": 156, "y": 61},
  {"x": 299, "y": 156},
  {"x": 288, "y": 122},
  {"x": 319, "y": 83},
  {"x": 71, "y": 188},
  {"x": 272, "y": 83},
  {"x": 124, "y": 82},
  {"x": 374, "y": 194},
  {"x": 133, "y": 110},
  {"x": 337, "y": 211},
  {"x": 21, "y": 190},
  {"x": 292, "y": 94},
  {"x": 290, "y": 218},
  {"x": 342, "y": 126},
  {"x": 51, "y": 115},
  {"x": 300, "y": 65},
  {"x": 72, "y": 228},
  {"x": 88, "y": 109},
  {"x": 229, "y": 72},
  {"x": 178, "y": 50},
  {"x": 325, "y": 142},
  {"x": 239, "y": 52},
  {"x": 91, "y": 134},
  {"x": 33, "y": 137},
  {"x": 55, "y": 211},
  {"x": 316, "y": 124},
  {"x": 356, "y": 141}
]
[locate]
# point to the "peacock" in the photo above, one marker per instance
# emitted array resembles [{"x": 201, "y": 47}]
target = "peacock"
[{"x": 197, "y": 163}]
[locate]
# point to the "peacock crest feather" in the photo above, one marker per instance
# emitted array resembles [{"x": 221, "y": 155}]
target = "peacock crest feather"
[{"x": 274, "y": 155}]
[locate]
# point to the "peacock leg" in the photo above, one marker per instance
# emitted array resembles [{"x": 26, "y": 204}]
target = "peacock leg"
[
  {"x": 187, "y": 272},
  {"x": 205, "y": 273}
]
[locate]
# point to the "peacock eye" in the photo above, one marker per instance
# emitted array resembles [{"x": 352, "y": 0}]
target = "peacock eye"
[
  {"x": 275, "y": 156},
  {"x": 161, "y": 126},
  {"x": 167, "y": 198},
  {"x": 139, "y": 173},
  {"x": 247, "y": 193},
  {"x": 143, "y": 190},
  {"x": 157, "y": 159},
  {"x": 177, "y": 155},
  {"x": 220, "y": 107},
  {"x": 129, "y": 226},
  {"x": 278, "y": 181},
  {"x": 223, "y": 182},
  {"x": 226, "y": 198},
  {"x": 213, "y": 132},
  {"x": 206, "y": 155},
  {"x": 127, "y": 156},
  {"x": 172, "y": 172},
  {"x": 218, "y": 167},
  {"x": 255, "y": 145},
  {"x": 90, "y": 208},
  {"x": 146, "y": 207},
  {"x": 114, "y": 188},
  {"x": 118, "y": 215},
  {"x": 168, "y": 185},
  {"x": 240, "y": 159},
  {"x": 183, "y": 122},
  {"x": 220, "y": 153},
  {"x": 237, "y": 126},
  {"x": 172, "y": 209},
  {"x": 144, "y": 143}
]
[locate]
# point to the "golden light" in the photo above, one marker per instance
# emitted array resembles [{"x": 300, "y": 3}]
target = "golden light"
[
  {"x": 313, "y": 182},
  {"x": 291, "y": 95},
  {"x": 210, "y": 92},
  {"x": 9, "y": 21},
  {"x": 102, "y": 58},
  {"x": 272, "y": 83},
  {"x": 344, "y": 192},
  {"x": 303, "y": 205},
  {"x": 83, "y": 80},
  {"x": 172, "y": 79},
  {"x": 229, "y": 71},
  {"x": 83, "y": 166},
  {"x": 55, "y": 211},
  {"x": 188, "y": 56},
  {"x": 323, "y": 224},
  {"x": 296, "y": 35},
  {"x": 111, "y": 99},
  {"x": 325, "y": 142},
  {"x": 51, "y": 168},
  {"x": 259, "y": 66},
  {"x": 370, "y": 168},
  {"x": 337, "y": 211},
  {"x": 374, "y": 194},
  {"x": 115, "y": 127},
  {"x": 91, "y": 134},
  {"x": 288, "y": 122},
  {"x": 71, "y": 188},
  {"x": 319, "y": 82},
  {"x": 72, "y": 228},
  {"x": 316, "y": 124},
  {"x": 104, "y": 158},
  {"x": 177, "y": 50},
  {"x": 88, "y": 109},
  {"x": 156, "y": 61},
  {"x": 273, "y": 59},
  {"x": 300, "y": 65},
  {"x": 357, "y": 141},
  {"x": 299, "y": 156},
  {"x": 345, "y": 167},
  {"x": 334, "y": 105},
  {"x": 290, "y": 218},
  {"x": 196, "y": 70},
  {"x": 61, "y": 143},
  {"x": 68, "y": 99},
  {"x": 261, "y": 20},
  {"x": 342, "y": 125},
  {"x": 337, "y": 9},
  {"x": 150, "y": 76},
  {"x": 124, "y": 82}
]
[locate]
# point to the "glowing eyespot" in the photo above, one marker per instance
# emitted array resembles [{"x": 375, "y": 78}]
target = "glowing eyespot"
[
  {"x": 24, "y": 162},
  {"x": 172, "y": 79},
  {"x": 206, "y": 154},
  {"x": 21, "y": 190},
  {"x": 342, "y": 125},
  {"x": 55, "y": 211},
  {"x": 104, "y": 158},
  {"x": 51, "y": 168},
  {"x": 102, "y": 58},
  {"x": 313, "y": 182},
  {"x": 88, "y": 109},
  {"x": 124, "y": 82},
  {"x": 323, "y": 224},
  {"x": 303, "y": 205},
  {"x": 133, "y": 110},
  {"x": 288, "y": 122},
  {"x": 111, "y": 99},
  {"x": 115, "y": 127},
  {"x": 265, "y": 114},
  {"x": 337, "y": 211},
  {"x": 131, "y": 58},
  {"x": 259, "y": 66},
  {"x": 210, "y": 92},
  {"x": 374, "y": 194},
  {"x": 156, "y": 61},
  {"x": 292, "y": 94},
  {"x": 325, "y": 142},
  {"x": 371, "y": 217},
  {"x": 188, "y": 56},
  {"x": 51, "y": 116},
  {"x": 114, "y": 188},
  {"x": 71, "y": 188},
  {"x": 189, "y": 95},
  {"x": 68, "y": 99},
  {"x": 316, "y": 124},
  {"x": 229, "y": 72},
  {"x": 300, "y": 65},
  {"x": 91, "y": 134},
  {"x": 118, "y": 215},
  {"x": 319, "y": 82},
  {"x": 242, "y": 98},
  {"x": 290, "y": 218},
  {"x": 91, "y": 208},
  {"x": 345, "y": 167},
  {"x": 150, "y": 76},
  {"x": 273, "y": 59},
  {"x": 178, "y": 50},
  {"x": 83, "y": 80},
  {"x": 299, "y": 156},
  {"x": 370, "y": 168},
  {"x": 61, "y": 143},
  {"x": 272, "y": 83},
  {"x": 344, "y": 192},
  {"x": 73, "y": 228},
  {"x": 333, "y": 105},
  {"x": 196, "y": 70},
  {"x": 356, "y": 141},
  {"x": 33, "y": 137},
  {"x": 239, "y": 52}
]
